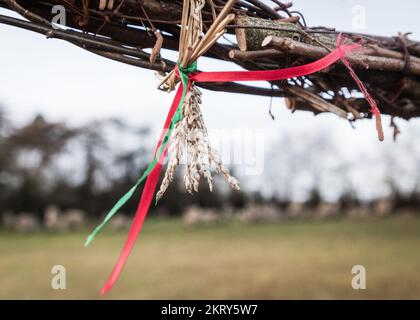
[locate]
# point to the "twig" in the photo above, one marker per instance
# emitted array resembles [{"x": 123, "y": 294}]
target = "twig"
[{"x": 358, "y": 60}]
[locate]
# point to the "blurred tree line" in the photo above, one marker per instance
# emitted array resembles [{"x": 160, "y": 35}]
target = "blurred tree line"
[{"x": 88, "y": 167}]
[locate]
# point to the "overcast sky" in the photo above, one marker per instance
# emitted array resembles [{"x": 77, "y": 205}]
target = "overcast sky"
[{"x": 64, "y": 82}]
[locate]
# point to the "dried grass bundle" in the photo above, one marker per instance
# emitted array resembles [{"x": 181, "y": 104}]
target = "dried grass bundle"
[
  {"x": 191, "y": 133},
  {"x": 192, "y": 43}
]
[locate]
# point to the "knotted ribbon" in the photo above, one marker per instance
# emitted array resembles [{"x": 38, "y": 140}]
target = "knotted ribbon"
[
  {"x": 153, "y": 171},
  {"x": 173, "y": 117}
]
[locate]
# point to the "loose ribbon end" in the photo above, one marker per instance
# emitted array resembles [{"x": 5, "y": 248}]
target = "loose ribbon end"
[
  {"x": 372, "y": 102},
  {"x": 105, "y": 290},
  {"x": 89, "y": 240},
  {"x": 379, "y": 128}
]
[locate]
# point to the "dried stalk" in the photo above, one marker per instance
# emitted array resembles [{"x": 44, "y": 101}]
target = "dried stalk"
[
  {"x": 192, "y": 44},
  {"x": 191, "y": 131}
]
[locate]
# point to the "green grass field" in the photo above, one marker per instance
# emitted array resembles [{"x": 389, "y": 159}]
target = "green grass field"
[{"x": 291, "y": 260}]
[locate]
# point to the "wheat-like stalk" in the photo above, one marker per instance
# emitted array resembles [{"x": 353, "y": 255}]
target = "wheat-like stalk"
[
  {"x": 220, "y": 168},
  {"x": 178, "y": 139},
  {"x": 191, "y": 133}
]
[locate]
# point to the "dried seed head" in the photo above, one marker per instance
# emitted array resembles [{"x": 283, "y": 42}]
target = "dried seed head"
[{"x": 191, "y": 133}]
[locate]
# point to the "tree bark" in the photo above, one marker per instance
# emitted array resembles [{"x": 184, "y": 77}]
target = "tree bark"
[{"x": 389, "y": 66}]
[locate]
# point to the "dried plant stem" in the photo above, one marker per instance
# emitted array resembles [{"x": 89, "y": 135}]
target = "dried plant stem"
[
  {"x": 175, "y": 151},
  {"x": 192, "y": 45},
  {"x": 191, "y": 134}
]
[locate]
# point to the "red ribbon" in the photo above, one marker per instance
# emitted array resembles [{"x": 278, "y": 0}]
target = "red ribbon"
[
  {"x": 145, "y": 200},
  {"x": 265, "y": 75},
  {"x": 272, "y": 75}
]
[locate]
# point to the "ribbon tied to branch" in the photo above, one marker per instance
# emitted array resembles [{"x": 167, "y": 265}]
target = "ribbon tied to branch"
[{"x": 187, "y": 77}]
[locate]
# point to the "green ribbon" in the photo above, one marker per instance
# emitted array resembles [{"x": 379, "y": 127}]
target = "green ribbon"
[{"x": 177, "y": 117}]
